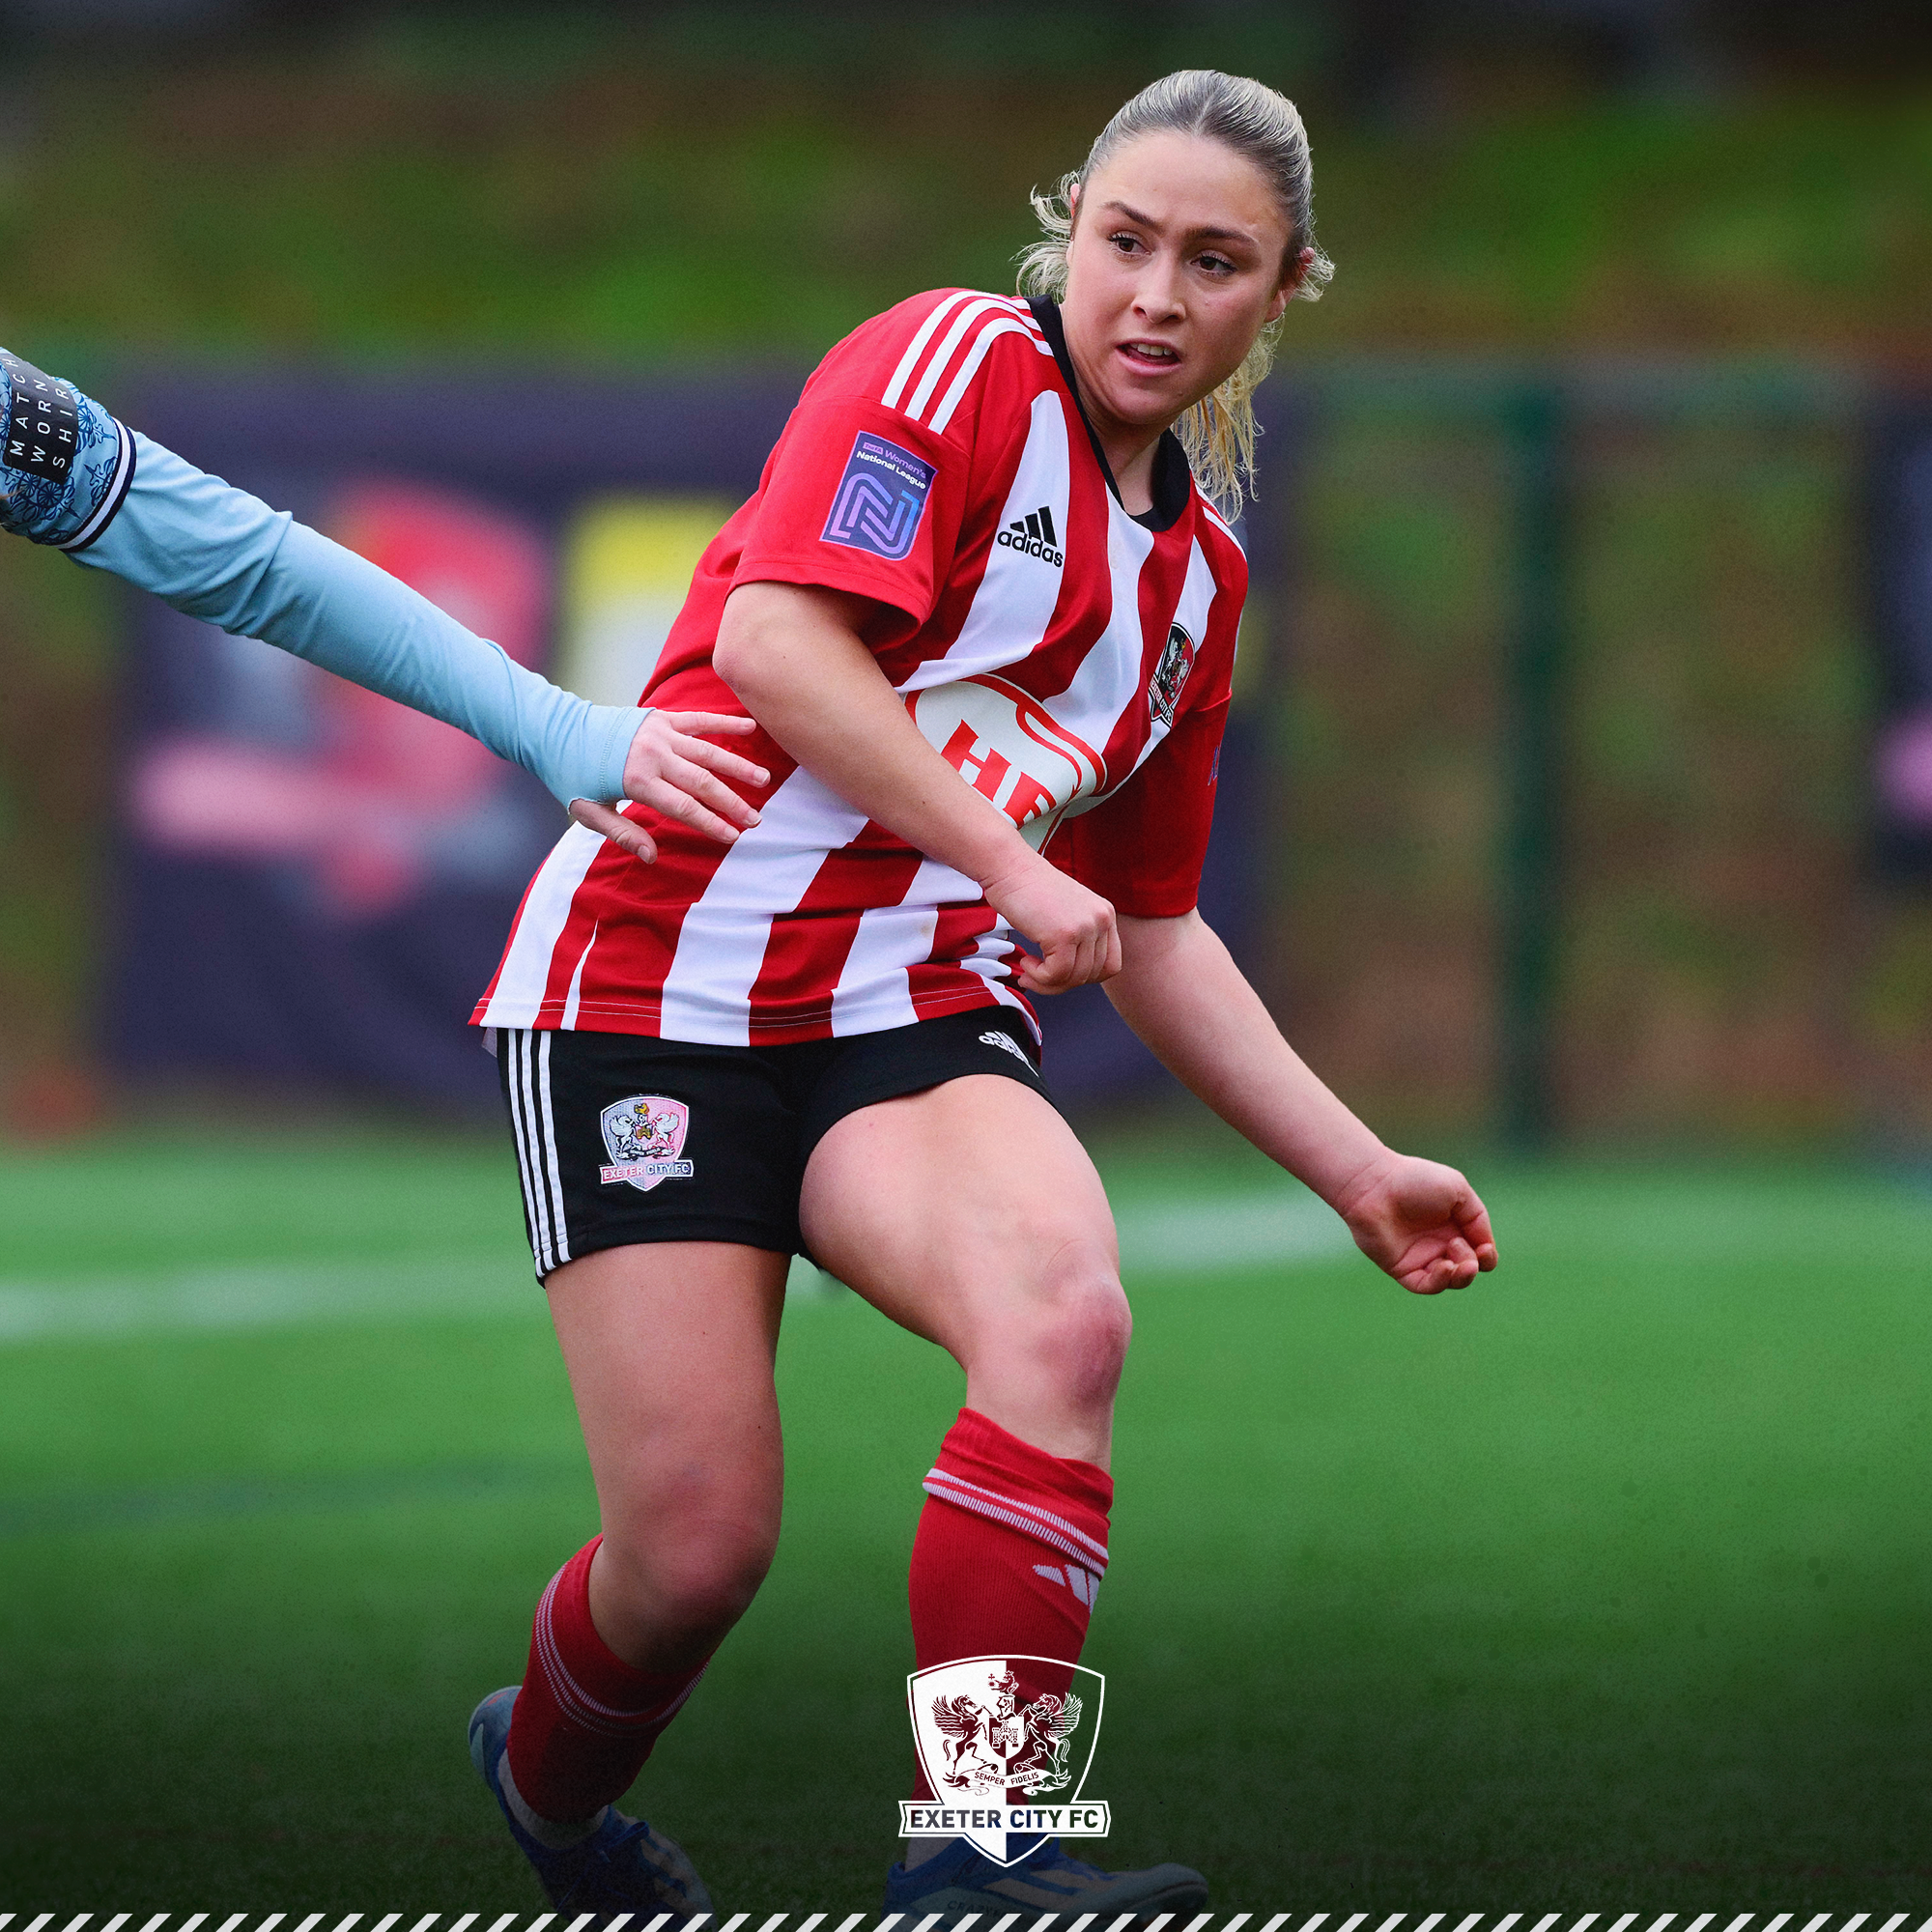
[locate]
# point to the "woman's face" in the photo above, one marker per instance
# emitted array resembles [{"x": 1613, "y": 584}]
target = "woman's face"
[{"x": 1178, "y": 259}]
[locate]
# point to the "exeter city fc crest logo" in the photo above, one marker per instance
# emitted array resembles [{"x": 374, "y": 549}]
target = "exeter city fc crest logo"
[
  {"x": 1177, "y": 660},
  {"x": 645, "y": 1138},
  {"x": 1000, "y": 1761}
]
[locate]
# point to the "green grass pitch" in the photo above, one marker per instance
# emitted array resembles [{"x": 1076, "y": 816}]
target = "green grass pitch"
[{"x": 1606, "y": 1583}]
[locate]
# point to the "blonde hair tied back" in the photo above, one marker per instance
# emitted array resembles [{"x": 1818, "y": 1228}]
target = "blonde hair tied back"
[{"x": 1218, "y": 433}]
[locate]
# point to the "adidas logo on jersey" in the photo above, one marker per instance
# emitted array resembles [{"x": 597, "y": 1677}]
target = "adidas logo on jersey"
[{"x": 1034, "y": 534}]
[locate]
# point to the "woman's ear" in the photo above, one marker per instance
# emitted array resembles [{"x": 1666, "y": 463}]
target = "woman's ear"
[{"x": 1304, "y": 260}]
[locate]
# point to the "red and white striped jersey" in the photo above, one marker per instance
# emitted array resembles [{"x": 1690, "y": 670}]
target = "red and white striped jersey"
[{"x": 1070, "y": 660}]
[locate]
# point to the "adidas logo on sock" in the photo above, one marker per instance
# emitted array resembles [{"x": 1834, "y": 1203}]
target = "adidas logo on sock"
[
  {"x": 1034, "y": 534},
  {"x": 1082, "y": 1582}
]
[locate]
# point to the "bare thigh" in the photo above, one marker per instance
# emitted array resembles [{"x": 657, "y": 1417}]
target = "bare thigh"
[
  {"x": 669, "y": 1349},
  {"x": 970, "y": 1214}
]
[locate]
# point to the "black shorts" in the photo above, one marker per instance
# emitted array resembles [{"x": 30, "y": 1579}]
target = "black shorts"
[{"x": 622, "y": 1138}]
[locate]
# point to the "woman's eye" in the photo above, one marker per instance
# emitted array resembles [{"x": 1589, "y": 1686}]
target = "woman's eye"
[
  {"x": 1126, "y": 243},
  {"x": 1217, "y": 264}
]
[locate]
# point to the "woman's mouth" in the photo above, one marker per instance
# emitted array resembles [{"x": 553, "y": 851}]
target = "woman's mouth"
[{"x": 1149, "y": 355}]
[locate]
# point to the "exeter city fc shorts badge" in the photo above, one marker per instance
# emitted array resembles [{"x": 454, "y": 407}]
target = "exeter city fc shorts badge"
[
  {"x": 645, "y": 1138},
  {"x": 1000, "y": 1761}
]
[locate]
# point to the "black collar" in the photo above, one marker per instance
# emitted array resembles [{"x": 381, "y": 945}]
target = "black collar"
[{"x": 1172, "y": 484}]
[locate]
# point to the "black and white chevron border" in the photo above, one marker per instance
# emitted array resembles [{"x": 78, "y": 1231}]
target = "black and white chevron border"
[{"x": 914, "y": 1921}]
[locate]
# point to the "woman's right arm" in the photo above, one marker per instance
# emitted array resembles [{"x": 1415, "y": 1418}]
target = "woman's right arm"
[
  {"x": 797, "y": 659},
  {"x": 73, "y": 477}
]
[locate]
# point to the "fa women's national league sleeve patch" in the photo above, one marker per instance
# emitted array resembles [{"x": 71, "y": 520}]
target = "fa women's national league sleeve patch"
[{"x": 880, "y": 499}]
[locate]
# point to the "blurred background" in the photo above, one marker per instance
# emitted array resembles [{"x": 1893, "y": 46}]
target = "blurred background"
[
  {"x": 1577, "y": 823},
  {"x": 1585, "y": 786}
]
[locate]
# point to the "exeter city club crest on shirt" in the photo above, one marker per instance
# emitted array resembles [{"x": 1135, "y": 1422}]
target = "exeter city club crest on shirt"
[
  {"x": 1001, "y": 1762},
  {"x": 644, "y": 1136}
]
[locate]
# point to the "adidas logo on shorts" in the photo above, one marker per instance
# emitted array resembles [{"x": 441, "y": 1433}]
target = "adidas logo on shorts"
[
  {"x": 1000, "y": 1039},
  {"x": 1034, "y": 534}
]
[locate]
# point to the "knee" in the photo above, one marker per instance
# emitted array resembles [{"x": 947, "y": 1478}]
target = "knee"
[
  {"x": 1080, "y": 1328},
  {"x": 688, "y": 1576}
]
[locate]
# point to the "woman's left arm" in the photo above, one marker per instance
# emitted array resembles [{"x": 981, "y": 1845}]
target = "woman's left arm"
[{"x": 1182, "y": 992}]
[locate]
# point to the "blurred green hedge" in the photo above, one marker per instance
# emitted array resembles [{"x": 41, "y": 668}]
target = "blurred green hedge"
[{"x": 734, "y": 181}]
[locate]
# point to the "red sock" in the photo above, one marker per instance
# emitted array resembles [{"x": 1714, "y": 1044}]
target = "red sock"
[
  {"x": 1010, "y": 1548},
  {"x": 584, "y": 1721}
]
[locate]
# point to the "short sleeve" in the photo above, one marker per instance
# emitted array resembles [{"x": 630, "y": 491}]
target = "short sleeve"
[
  {"x": 857, "y": 498},
  {"x": 1143, "y": 849}
]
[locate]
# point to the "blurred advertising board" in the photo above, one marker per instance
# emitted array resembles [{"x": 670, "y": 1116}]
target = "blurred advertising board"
[{"x": 314, "y": 882}]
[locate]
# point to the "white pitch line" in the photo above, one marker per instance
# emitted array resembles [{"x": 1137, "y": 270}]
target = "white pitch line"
[
  {"x": 1191, "y": 1239},
  {"x": 1470, "y": 1923}
]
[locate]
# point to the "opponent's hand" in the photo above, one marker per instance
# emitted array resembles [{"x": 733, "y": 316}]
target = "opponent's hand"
[
  {"x": 1420, "y": 1222},
  {"x": 678, "y": 774},
  {"x": 1075, "y": 931}
]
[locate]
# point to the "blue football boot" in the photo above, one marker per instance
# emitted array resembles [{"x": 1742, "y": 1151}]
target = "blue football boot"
[
  {"x": 960, "y": 1879},
  {"x": 622, "y": 1867}
]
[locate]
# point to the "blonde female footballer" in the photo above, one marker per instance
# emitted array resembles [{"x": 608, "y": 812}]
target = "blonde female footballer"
[{"x": 971, "y": 642}]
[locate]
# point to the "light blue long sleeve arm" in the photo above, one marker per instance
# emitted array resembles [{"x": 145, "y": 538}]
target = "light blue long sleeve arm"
[{"x": 116, "y": 501}]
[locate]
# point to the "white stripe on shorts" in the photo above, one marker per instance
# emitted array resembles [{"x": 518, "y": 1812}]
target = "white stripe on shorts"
[
  {"x": 532, "y": 1126},
  {"x": 511, "y": 1043},
  {"x": 547, "y": 1133}
]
